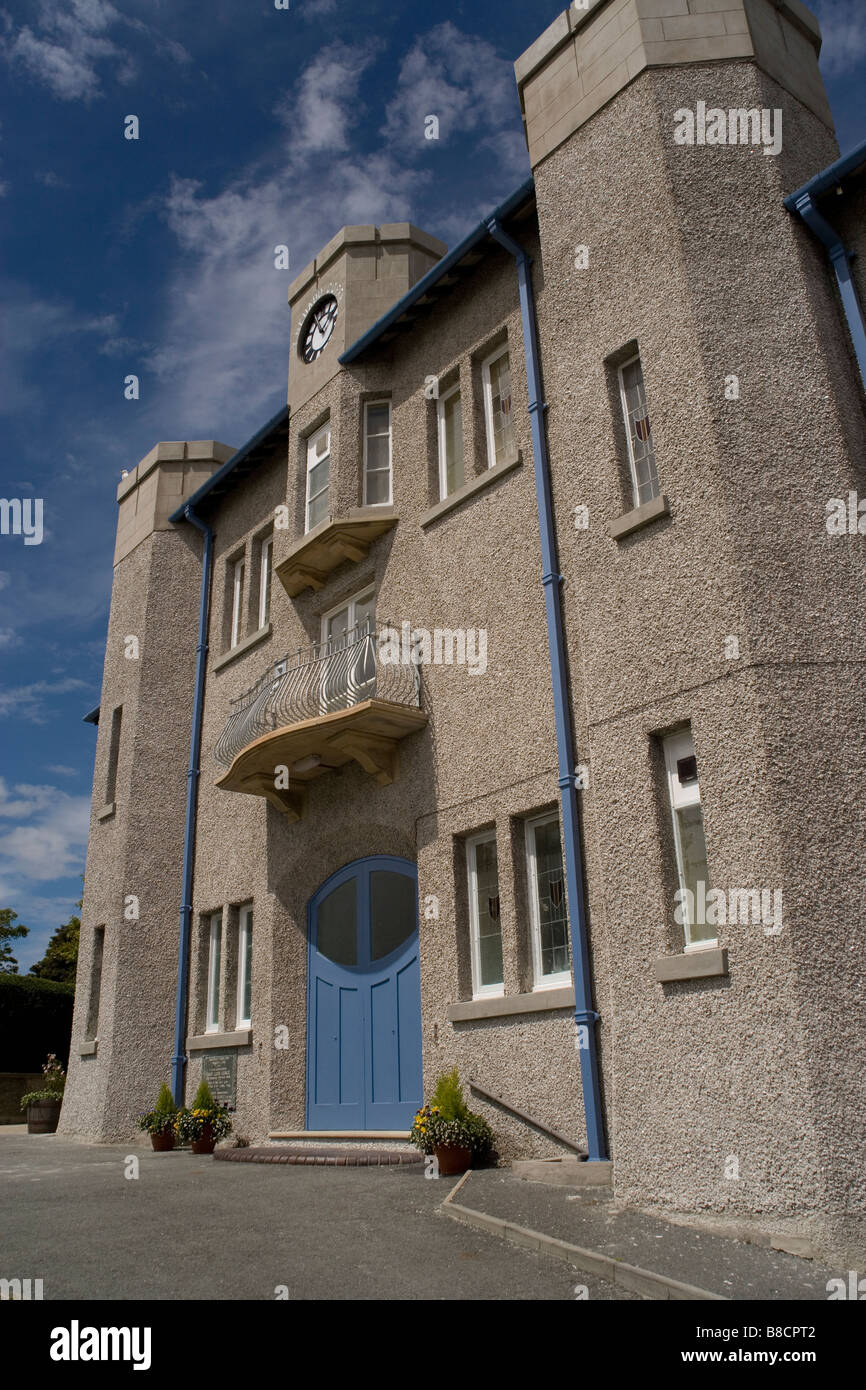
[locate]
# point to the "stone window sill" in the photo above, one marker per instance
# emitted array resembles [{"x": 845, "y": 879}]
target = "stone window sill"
[
  {"x": 107, "y": 811},
  {"x": 692, "y": 965},
  {"x": 508, "y": 1005},
  {"x": 638, "y": 517},
  {"x": 241, "y": 1037},
  {"x": 88, "y": 1049},
  {"x": 475, "y": 485},
  {"x": 242, "y": 647}
]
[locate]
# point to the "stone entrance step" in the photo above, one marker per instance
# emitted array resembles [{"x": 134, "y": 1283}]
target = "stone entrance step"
[
  {"x": 351, "y": 1148},
  {"x": 323, "y": 1156}
]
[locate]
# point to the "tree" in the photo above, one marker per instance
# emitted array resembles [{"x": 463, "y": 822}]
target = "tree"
[
  {"x": 8, "y": 930},
  {"x": 61, "y": 954}
]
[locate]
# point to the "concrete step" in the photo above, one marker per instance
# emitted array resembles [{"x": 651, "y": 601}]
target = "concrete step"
[
  {"x": 564, "y": 1172},
  {"x": 351, "y": 1148},
  {"x": 395, "y": 1140}
]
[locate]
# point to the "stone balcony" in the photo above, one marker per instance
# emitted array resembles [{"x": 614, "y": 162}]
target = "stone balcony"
[{"x": 327, "y": 705}]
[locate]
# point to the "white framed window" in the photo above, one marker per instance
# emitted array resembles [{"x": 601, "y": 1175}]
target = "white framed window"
[
  {"x": 548, "y": 905},
  {"x": 451, "y": 467},
  {"x": 641, "y": 453},
  {"x": 238, "y": 572},
  {"x": 214, "y": 960},
  {"x": 690, "y": 845},
  {"x": 377, "y": 453},
  {"x": 245, "y": 967},
  {"x": 349, "y": 667},
  {"x": 496, "y": 381},
  {"x": 484, "y": 921},
  {"x": 266, "y": 566},
  {"x": 318, "y": 476}
]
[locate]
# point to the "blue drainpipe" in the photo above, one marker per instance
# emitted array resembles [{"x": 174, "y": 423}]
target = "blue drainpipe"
[
  {"x": 840, "y": 257},
  {"x": 179, "y": 1055},
  {"x": 584, "y": 1015}
]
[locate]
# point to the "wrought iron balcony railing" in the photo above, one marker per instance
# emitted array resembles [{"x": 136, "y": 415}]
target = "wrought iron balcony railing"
[{"x": 332, "y": 675}]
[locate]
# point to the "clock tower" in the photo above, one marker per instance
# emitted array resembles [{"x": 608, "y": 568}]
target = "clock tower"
[{"x": 353, "y": 281}]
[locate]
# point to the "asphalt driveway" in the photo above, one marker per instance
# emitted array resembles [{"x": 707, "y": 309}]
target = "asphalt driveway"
[{"x": 188, "y": 1227}]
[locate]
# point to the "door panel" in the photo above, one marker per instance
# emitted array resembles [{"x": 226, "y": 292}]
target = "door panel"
[{"x": 364, "y": 999}]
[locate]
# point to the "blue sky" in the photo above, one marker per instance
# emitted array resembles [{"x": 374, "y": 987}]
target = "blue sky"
[{"x": 155, "y": 257}]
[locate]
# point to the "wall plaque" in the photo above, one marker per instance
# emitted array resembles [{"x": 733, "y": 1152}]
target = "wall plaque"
[{"x": 220, "y": 1071}]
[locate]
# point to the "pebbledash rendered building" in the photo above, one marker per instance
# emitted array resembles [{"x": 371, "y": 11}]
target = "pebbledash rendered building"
[{"x": 501, "y": 702}]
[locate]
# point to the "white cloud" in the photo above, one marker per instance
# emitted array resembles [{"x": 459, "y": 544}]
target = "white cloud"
[
  {"x": 28, "y": 702},
  {"x": 50, "y": 179},
  {"x": 226, "y": 331},
  {"x": 8, "y": 637},
  {"x": 47, "y": 844},
  {"x": 460, "y": 79},
  {"x": 68, "y": 50},
  {"x": 61, "y": 770},
  {"x": 34, "y": 325},
  {"x": 843, "y": 29}
]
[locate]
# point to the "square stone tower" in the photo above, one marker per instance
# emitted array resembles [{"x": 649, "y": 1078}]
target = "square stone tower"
[
  {"x": 127, "y": 969},
  {"x": 664, "y": 137}
]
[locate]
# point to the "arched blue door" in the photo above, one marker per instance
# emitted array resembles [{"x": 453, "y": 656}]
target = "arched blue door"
[{"x": 364, "y": 998}]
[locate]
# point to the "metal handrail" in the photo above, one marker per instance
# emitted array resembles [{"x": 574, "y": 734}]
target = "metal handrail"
[{"x": 331, "y": 675}]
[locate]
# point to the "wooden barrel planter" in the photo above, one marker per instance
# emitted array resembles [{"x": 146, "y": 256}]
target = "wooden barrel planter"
[
  {"x": 43, "y": 1116},
  {"x": 163, "y": 1143}
]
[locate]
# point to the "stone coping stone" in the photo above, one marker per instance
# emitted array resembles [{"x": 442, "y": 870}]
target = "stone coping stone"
[{"x": 320, "y": 1158}]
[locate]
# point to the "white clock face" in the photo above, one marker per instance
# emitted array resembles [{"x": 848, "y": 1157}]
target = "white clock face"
[{"x": 318, "y": 328}]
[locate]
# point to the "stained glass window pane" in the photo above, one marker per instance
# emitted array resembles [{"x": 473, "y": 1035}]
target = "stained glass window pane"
[
  {"x": 551, "y": 899},
  {"x": 487, "y": 914},
  {"x": 646, "y": 481}
]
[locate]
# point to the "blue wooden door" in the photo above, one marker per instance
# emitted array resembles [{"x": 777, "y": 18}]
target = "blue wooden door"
[{"x": 364, "y": 998}]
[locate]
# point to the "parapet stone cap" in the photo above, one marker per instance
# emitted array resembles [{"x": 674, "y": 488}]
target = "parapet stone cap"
[
  {"x": 365, "y": 235},
  {"x": 556, "y": 34},
  {"x": 175, "y": 451}
]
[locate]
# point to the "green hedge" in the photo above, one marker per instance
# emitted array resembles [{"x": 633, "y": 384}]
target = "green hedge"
[{"x": 35, "y": 1019}]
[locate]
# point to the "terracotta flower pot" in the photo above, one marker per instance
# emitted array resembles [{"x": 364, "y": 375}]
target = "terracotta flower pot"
[
  {"x": 43, "y": 1116},
  {"x": 205, "y": 1144},
  {"x": 452, "y": 1159},
  {"x": 164, "y": 1142}
]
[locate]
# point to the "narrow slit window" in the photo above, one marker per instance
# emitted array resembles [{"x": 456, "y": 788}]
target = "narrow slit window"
[
  {"x": 245, "y": 964},
  {"x": 690, "y": 846},
  {"x": 377, "y": 453},
  {"x": 214, "y": 960},
  {"x": 238, "y": 572},
  {"x": 113, "y": 754},
  {"x": 641, "y": 453},
  {"x": 484, "y": 915},
  {"x": 548, "y": 907},
  {"x": 92, "y": 1029},
  {"x": 496, "y": 379},
  {"x": 451, "y": 466},
  {"x": 318, "y": 476},
  {"x": 265, "y": 571}
]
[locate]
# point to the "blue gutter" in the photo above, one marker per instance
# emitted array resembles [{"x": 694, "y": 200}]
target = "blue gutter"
[
  {"x": 585, "y": 1016},
  {"x": 178, "y": 1059},
  {"x": 514, "y": 201},
  {"x": 802, "y": 202}
]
